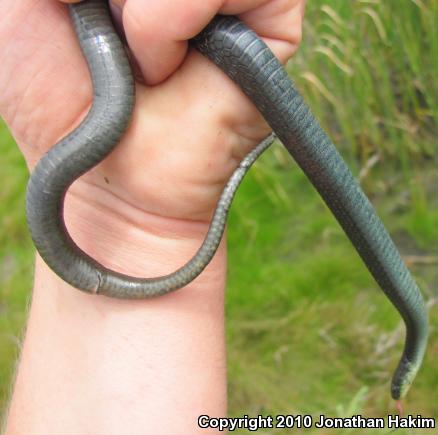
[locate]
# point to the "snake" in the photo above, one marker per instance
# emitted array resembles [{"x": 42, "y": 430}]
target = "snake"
[{"x": 247, "y": 60}]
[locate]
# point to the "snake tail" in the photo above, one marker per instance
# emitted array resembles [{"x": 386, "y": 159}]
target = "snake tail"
[
  {"x": 249, "y": 62},
  {"x": 86, "y": 146}
]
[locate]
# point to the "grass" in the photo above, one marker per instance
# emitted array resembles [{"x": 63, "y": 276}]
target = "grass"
[
  {"x": 368, "y": 69},
  {"x": 308, "y": 330},
  {"x": 16, "y": 259}
]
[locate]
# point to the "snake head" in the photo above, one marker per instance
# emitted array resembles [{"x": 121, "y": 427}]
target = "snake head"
[{"x": 403, "y": 378}]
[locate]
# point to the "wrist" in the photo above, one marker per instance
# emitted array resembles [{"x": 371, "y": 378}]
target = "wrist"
[
  {"x": 132, "y": 241},
  {"x": 161, "y": 360}
]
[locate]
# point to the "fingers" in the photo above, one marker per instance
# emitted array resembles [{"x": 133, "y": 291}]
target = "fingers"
[
  {"x": 279, "y": 23},
  {"x": 157, "y": 30}
]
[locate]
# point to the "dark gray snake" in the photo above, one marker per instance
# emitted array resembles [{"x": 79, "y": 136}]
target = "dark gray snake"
[{"x": 249, "y": 62}]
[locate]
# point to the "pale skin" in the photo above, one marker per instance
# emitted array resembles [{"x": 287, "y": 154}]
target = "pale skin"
[{"x": 94, "y": 365}]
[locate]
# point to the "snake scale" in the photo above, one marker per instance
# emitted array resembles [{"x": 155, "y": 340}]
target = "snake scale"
[{"x": 248, "y": 61}]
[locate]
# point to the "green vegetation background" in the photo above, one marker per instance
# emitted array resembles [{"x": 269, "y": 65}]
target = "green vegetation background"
[{"x": 308, "y": 330}]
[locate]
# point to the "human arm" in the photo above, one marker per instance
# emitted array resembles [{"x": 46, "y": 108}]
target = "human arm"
[{"x": 94, "y": 360}]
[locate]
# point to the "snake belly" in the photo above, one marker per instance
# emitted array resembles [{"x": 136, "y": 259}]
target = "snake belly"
[{"x": 247, "y": 60}]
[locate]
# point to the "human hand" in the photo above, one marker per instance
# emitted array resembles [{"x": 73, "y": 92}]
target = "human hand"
[
  {"x": 190, "y": 127},
  {"x": 142, "y": 211}
]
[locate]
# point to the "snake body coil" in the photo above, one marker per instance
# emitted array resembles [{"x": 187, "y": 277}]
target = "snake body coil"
[{"x": 249, "y": 62}]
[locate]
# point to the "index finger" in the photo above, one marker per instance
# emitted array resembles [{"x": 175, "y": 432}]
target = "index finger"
[{"x": 157, "y": 31}]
